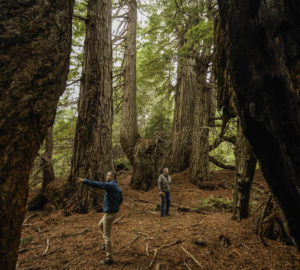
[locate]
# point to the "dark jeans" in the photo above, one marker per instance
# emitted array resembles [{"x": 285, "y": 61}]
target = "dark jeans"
[{"x": 165, "y": 200}]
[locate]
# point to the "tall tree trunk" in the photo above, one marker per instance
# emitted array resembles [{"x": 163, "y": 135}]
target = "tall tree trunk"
[
  {"x": 245, "y": 169},
  {"x": 34, "y": 50},
  {"x": 128, "y": 127},
  {"x": 48, "y": 171},
  {"x": 39, "y": 201},
  {"x": 181, "y": 141},
  {"x": 92, "y": 152},
  {"x": 263, "y": 45},
  {"x": 199, "y": 162},
  {"x": 143, "y": 154}
]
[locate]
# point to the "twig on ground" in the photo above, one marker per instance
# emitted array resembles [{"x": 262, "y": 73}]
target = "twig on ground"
[
  {"x": 30, "y": 268},
  {"x": 171, "y": 244},
  {"x": 28, "y": 218},
  {"x": 75, "y": 234},
  {"x": 47, "y": 248},
  {"x": 77, "y": 259},
  {"x": 23, "y": 250},
  {"x": 147, "y": 249},
  {"x": 196, "y": 224},
  {"x": 153, "y": 259},
  {"x": 136, "y": 238},
  {"x": 187, "y": 266},
  {"x": 144, "y": 234},
  {"x": 245, "y": 247},
  {"x": 37, "y": 257},
  {"x": 118, "y": 219},
  {"x": 194, "y": 259}
]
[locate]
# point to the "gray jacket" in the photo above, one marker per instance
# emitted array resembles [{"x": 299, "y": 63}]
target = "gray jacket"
[{"x": 164, "y": 184}]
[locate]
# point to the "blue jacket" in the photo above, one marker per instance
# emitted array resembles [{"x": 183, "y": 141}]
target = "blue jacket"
[{"x": 112, "y": 197}]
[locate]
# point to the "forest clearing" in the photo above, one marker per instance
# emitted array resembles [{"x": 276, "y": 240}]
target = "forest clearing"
[{"x": 76, "y": 241}]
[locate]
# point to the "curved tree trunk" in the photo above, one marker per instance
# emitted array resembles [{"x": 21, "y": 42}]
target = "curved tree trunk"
[
  {"x": 92, "y": 152},
  {"x": 143, "y": 154},
  {"x": 245, "y": 161},
  {"x": 262, "y": 40},
  {"x": 35, "y": 48}
]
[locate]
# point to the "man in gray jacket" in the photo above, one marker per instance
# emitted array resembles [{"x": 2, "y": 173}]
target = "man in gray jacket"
[{"x": 164, "y": 187}]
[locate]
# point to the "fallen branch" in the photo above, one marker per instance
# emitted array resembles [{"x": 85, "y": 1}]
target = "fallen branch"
[
  {"x": 118, "y": 219},
  {"x": 147, "y": 249},
  {"x": 77, "y": 259},
  {"x": 47, "y": 248},
  {"x": 187, "y": 266},
  {"x": 153, "y": 259},
  {"x": 157, "y": 266},
  {"x": 245, "y": 247},
  {"x": 28, "y": 218},
  {"x": 136, "y": 238},
  {"x": 194, "y": 259},
  {"x": 171, "y": 244},
  {"x": 75, "y": 234},
  {"x": 23, "y": 250}
]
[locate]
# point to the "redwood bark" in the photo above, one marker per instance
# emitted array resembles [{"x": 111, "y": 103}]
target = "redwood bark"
[
  {"x": 92, "y": 152},
  {"x": 262, "y": 39},
  {"x": 181, "y": 142},
  {"x": 128, "y": 126},
  {"x": 245, "y": 161},
  {"x": 34, "y": 51}
]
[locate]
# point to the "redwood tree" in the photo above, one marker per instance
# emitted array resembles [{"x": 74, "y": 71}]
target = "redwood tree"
[
  {"x": 35, "y": 48},
  {"x": 143, "y": 154},
  {"x": 92, "y": 152},
  {"x": 262, "y": 41}
]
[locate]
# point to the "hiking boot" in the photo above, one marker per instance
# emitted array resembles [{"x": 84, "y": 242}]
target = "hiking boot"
[{"x": 107, "y": 262}]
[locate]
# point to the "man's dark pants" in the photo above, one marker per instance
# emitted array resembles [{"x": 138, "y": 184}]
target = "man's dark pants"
[{"x": 165, "y": 200}]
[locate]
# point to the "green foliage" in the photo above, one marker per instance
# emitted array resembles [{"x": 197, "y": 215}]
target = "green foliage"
[{"x": 225, "y": 205}]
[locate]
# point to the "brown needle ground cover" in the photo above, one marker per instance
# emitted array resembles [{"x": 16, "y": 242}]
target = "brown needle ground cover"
[{"x": 76, "y": 243}]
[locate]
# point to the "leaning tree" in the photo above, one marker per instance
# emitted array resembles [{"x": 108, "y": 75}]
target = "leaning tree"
[
  {"x": 263, "y": 46},
  {"x": 34, "y": 50}
]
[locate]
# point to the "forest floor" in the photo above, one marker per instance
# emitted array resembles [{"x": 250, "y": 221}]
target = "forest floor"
[{"x": 75, "y": 241}]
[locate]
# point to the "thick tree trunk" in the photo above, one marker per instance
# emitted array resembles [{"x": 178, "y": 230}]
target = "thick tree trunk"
[
  {"x": 39, "y": 201},
  {"x": 35, "y": 48},
  {"x": 199, "y": 162},
  {"x": 48, "y": 171},
  {"x": 263, "y": 45},
  {"x": 92, "y": 152},
  {"x": 245, "y": 161},
  {"x": 128, "y": 127},
  {"x": 181, "y": 141},
  {"x": 143, "y": 154}
]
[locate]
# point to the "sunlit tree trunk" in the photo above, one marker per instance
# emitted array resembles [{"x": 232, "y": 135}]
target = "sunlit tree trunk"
[
  {"x": 245, "y": 161},
  {"x": 92, "y": 152},
  {"x": 262, "y": 39},
  {"x": 34, "y": 51}
]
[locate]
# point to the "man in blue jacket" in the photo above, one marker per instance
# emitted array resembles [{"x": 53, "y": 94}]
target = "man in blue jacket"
[{"x": 112, "y": 201}]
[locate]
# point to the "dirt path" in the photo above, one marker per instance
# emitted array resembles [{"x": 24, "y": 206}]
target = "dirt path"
[{"x": 75, "y": 241}]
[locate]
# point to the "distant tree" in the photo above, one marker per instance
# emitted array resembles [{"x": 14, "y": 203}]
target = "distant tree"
[
  {"x": 35, "y": 49},
  {"x": 142, "y": 153},
  {"x": 262, "y": 42},
  {"x": 92, "y": 152}
]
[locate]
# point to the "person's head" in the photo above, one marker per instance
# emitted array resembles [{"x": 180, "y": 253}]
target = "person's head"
[
  {"x": 166, "y": 171},
  {"x": 110, "y": 176}
]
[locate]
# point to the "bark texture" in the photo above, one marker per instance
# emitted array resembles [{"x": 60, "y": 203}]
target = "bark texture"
[
  {"x": 128, "y": 127},
  {"x": 92, "y": 152},
  {"x": 181, "y": 142},
  {"x": 143, "y": 154},
  {"x": 245, "y": 161},
  {"x": 35, "y": 44},
  {"x": 262, "y": 40}
]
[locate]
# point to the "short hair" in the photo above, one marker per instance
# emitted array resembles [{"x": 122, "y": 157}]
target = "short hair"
[
  {"x": 114, "y": 175},
  {"x": 165, "y": 169}
]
